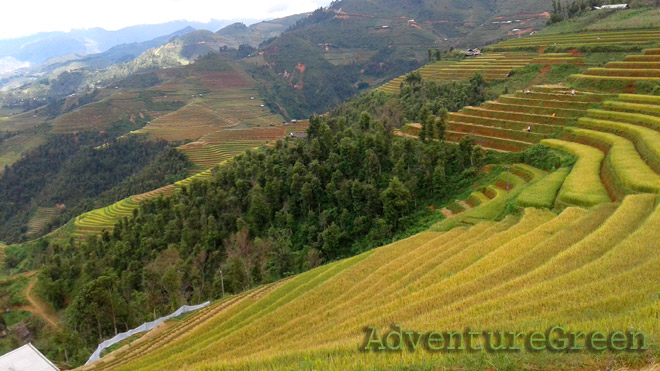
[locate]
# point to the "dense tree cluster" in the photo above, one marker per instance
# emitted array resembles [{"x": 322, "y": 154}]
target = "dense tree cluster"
[
  {"x": 73, "y": 170},
  {"x": 351, "y": 185},
  {"x": 270, "y": 213}
]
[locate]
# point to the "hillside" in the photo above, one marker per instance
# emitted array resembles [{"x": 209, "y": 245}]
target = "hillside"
[
  {"x": 580, "y": 253},
  {"x": 238, "y": 34},
  {"x": 78, "y": 73},
  {"x": 515, "y": 191},
  {"x": 356, "y": 45},
  {"x": 38, "y": 48}
]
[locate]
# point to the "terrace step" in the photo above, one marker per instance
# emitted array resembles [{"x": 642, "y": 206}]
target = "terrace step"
[
  {"x": 633, "y": 65},
  {"x": 490, "y": 131},
  {"x": 556, "y": 111},
  {"x": 649, "y": 109},
  {"x": 642, "y": 58},
  {"x": 565, "y": 104},
  {"x": 640, "y": 99},
  {"x": 514, "y": 116},
  {"x": 492, "y": 143},
  {"x": 461, "y": 117},
  {"x": 584, "y": 97},
  {"x": 623, "y": 72}
]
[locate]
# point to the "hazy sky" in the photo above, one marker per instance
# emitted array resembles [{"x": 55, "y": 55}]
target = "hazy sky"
[{"x": 25, "y": 17}]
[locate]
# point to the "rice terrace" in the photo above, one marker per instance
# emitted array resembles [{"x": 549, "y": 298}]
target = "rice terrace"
[{"x": 468, "y": 206}]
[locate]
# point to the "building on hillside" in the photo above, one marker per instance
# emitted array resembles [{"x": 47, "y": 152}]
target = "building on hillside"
[
  {"x": 298, "y": 135},
  {"x": 26, "y": 358},
  {"x": 471, "y": 52},
  {"x": 612, "y": 6}
]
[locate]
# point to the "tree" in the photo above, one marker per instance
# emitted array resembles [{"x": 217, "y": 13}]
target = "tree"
[{"x": 396, "y": 201}]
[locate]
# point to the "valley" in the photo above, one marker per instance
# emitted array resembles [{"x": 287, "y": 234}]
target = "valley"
[{"x": 347, "y": 174}]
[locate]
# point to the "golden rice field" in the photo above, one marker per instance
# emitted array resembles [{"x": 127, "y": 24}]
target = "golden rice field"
[
  {"x": 583, "y": 252},
  {"x": 639, "y": 38},
  {"x": 584, "y": 269},
  {"x": 503, "y": 124},
  {"x": 213, "y": 149},
  {"x": 491, "y": 66},
  {"x": 621, "y": 76},
  {"x": 218, "y": 100}
]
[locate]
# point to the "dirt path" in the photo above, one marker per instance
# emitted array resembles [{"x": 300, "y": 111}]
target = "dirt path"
[
  {"x": 39, "y": 307},
  {"x": 446, "y": 212},
  {"x": 36, "y": 305}
]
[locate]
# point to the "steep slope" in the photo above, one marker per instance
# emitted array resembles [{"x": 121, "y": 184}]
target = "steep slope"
[
  {"x": 593, "y": 267},
  {"x": 353, "y": 45},
  {"x": 586, "y": 270},
  {"x": 238, "y": 34}
]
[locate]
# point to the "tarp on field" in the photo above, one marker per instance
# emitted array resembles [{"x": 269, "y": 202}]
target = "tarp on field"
[{"x": 142, "y": 328}]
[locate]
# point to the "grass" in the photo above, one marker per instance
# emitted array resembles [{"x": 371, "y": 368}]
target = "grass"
[
  {"x": 543, "y": 193},
  {"x": 583, "y": 186},
  {"x": 14, "y": 317}
]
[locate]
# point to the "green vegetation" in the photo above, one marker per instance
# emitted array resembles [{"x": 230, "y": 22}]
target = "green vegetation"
[
  {"x": 69, "y": 172},
  {"x": 607, "y": 20}
]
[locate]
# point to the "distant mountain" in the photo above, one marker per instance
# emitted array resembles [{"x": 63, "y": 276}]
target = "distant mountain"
[
  {"x": 78, "y": 73},
  {"x": 238, "y": 33},
  {"x": 355, "y": 45},
  {"x": 40, "y": 47}
]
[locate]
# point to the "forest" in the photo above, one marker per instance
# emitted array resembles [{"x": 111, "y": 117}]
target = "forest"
[
  {"x": 80, "y": 172},
  {"x": 350, "y": 186}
]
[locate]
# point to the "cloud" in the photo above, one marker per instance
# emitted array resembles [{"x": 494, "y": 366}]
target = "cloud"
[{"x": 25, "y": 17}]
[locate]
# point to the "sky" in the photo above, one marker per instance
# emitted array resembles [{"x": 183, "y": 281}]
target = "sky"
[{"x": 26, "y": 17}]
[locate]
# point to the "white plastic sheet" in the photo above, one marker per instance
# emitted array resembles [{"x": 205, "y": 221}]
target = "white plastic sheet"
[{"x": 142, "y": 328}]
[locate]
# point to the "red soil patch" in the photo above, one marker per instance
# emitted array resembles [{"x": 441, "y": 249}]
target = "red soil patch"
[
  {"x": 503, "y": 185},
  {"x": 575, "y": 53},
  {"x": 489, "y": 193}
]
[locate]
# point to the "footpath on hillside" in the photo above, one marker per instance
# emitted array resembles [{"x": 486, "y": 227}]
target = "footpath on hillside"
[{"x": 35, "y": 305}]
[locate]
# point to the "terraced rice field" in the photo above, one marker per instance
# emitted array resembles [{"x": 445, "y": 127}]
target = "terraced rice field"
[
  {"x": 225, "y": 99},
  {"x": 213, "y": 149},
  {"x": 491, "y": 66},
  {"x": 221, "y": 145},
  {"x": 580, "y": 41},
  {"x": 100, "y": 115},
  {"x": 502, "y": 124},
  {"x": 489, "y": 202},
  {"x": 591, "y": 263},
  {"x": 618, "y": 76},
  {"x": 40, "y": 220},
  {"x": 558, "y": 58},
  {"x": 205, "y": 156},
  {"x": 586, "y": 269},
  {"x": 12, "y": 149},
  {"x": 104, "y": 219}
]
